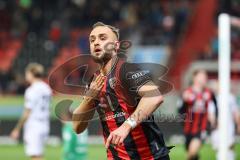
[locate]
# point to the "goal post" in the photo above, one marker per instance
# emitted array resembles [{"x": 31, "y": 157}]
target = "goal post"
[{"x": 224, "y": 68}]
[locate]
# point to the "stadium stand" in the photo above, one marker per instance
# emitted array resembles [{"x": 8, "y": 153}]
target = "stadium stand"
[{"x": 47, "y": 29}]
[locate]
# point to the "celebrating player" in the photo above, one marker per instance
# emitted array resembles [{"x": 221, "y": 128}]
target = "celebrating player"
[
  {"x": 126, "y": 97},
  {"x": 200, "y": 108},
  {"x": 35, "y": 117}
]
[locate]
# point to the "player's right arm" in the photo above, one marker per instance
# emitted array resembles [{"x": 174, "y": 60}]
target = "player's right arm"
[
  {"x": 86, "y": 109},
  {"x": 16, "y": 131},
  {"x": 183, "y": 103},
  {"x": 30, "y": 101}
]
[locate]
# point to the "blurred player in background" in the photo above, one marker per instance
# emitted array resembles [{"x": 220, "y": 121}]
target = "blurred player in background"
[
  {"x": 200, "y": 108},
  {"x": 126, "y": 134},
  {"x": 74, "y": 146},
  {"x": 233, "y": 119},
  {"x": 35, "y": 117}
]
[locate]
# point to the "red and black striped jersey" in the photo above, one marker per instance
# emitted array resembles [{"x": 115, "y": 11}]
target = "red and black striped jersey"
[
  {"x": 197, "y": 108},
  {"x": 118, "y": 99}
]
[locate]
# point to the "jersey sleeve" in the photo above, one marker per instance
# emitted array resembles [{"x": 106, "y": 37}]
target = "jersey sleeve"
[
  {"x": 133, "y": 77},
  {"x": 29, "y": 99}
]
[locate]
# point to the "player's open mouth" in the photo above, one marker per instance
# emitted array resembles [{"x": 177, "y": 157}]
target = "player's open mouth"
[{"x": 97, "y": 51}]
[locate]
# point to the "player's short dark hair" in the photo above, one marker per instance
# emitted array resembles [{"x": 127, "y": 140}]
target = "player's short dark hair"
[
  {"x": 198, "y": 71},
  {"x": 114, "y": 29},
  {"x": 36, "y": 69},
  {"x": 195, "y": 72}
]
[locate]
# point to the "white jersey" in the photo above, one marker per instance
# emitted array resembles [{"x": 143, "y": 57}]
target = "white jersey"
[
  {"x": 37, "y": 99},
  {"x": 233, "y": 108}
]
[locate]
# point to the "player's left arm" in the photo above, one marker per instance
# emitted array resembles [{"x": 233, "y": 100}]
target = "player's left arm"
[
  {"x": 235, "y": 112},
  {"x": 211, "y": 114},
  {"x": 150, "y": 100},
  {"x": 30, "y": 99},
  {"x": 237, "y": 120},
  {"x": 16, "y": 131}
]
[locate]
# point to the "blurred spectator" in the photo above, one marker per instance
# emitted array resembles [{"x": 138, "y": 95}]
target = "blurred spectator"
[
  {"x": 45, "y": 27},
  {"x": 55, "y": 31},
  {"x": 4, "y": 80}
]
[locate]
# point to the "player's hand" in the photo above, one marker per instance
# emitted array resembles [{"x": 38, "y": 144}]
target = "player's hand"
[
  {"x": 96, "y": 86},
  {"x": 15, "y": 134},
  {"x": 117, "y": 136}
]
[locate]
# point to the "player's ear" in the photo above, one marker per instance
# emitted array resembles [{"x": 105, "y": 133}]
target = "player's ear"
[{"x": 117, "y": 45}]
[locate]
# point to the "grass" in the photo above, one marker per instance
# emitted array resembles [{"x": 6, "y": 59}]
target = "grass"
[
  {"x": 18, "y": 101},
  {"x": 97, "y": 152},
  {"x": 52, "y": 153}
]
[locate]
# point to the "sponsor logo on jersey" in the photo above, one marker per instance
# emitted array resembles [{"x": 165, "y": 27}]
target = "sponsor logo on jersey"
[
  {"x": 138, "y": 74},
  {"x": 112, "y": 82}
]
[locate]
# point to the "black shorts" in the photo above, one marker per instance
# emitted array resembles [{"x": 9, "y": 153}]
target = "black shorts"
[{"x": 188, "y": 138}]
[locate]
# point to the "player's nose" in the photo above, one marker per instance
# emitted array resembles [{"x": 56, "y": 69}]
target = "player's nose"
[{"x": 96, "y": 42}]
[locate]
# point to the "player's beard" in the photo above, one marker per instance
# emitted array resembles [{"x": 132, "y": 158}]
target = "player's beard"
[{"x": 103, "y": 59}]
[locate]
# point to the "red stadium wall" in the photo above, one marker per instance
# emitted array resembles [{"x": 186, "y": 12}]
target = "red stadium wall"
[
  {"x": 9, "y": 48},
  {"x": 199, "y": 32}
]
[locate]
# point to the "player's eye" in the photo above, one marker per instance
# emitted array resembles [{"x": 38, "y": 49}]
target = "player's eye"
[
  {"x": 103, "y": 37},
  {"x": 92, "y": 39}
]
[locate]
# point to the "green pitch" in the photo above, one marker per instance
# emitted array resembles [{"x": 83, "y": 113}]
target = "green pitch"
[
  {"x": 97, "y": 152},
  {"x": 7, "y": 102}
]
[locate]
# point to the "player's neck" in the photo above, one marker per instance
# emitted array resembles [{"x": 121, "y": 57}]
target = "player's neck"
[
  {"x": 36, "y": 80},
  {"x": 197, "y": 88},
  {"x": 106, "y": 68}
]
